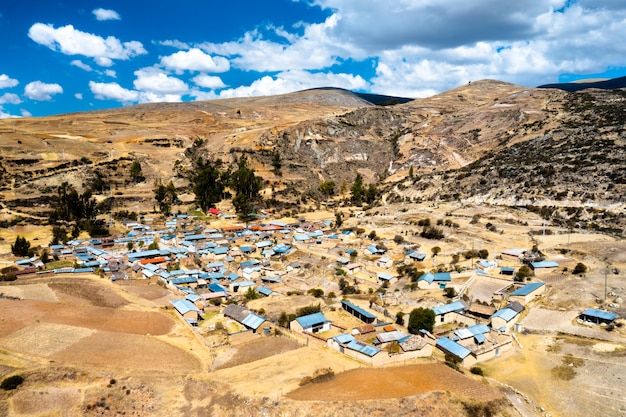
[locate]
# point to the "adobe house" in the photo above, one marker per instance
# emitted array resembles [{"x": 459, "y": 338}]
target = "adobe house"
[
  {"x": 527, "y": 293},
  {"x": 311, "y": 323}
]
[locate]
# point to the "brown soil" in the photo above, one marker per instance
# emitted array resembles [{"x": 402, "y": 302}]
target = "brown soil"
[
  {"x": 375, "y": 383},
  {"x": 260, "y": 349}
]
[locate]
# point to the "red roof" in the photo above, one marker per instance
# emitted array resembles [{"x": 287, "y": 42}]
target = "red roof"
[{"x": 156, "y": 260}]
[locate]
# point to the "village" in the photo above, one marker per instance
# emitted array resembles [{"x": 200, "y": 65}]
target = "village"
[{"x": 351, "y": 292}]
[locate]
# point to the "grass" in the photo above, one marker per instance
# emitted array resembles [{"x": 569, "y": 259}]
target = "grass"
[{"x": 58, "y": 264}]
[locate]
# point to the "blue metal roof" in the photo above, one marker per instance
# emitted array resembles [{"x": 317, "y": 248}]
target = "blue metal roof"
[
  {"x": 363, "y": 348},
  {"x": 447, "y": 308},
  {"x": 358, "y": 309},
  {"x": 416, "y": 255},
  {"x": 311, "y": 320},
  {"x": 265, "y": 291},
  {"x": 507, "y": 269},
  {"x": 253, "y": 321},
  {"x": 527, "y": 289},
  {"x": 440, "y": 276},
  {"x": 474, "y": 330},
  {"x": 344, "y": 338},
  {"x": 386, "y": 276},
  {"x": 601, "y": 314},
  {"x": 183, "y": 280},
  {"x": 184, "y": 306},
  {"x": 216, "y": 288},
  {"x": 506, "y": 314},
  {"x": 544, "y": 264},
  {"x": 452, "y": 347}
]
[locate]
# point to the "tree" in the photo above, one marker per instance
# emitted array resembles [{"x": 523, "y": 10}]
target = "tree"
[
  {"x": 165, "y": 197},
  {"x": 483, "y": 254},
  {"x": 421, "y": 318},
  {"x": 522, "y": 273},
  {"x": 371, "y": 193},
  {"x": 135, "y": 171},
  {"x": 338, "y": 219},
  {"x": 276, "y": 163},
  {"x": 247, "y": 187},
  {"x": 449, "y": 292},
  {"x": 327, "y": 188},
  {"x": 357, "y": 189},
  {"x": 20, "y": 247},
  {"x": 400, "y": 318},
  {"x": 59, "y": 235},
  {"x": 252, "y": 294},
  {"x": 208, "y": 182},
  {"x": 411, "y": 173},
  {"x": 435, "y": 250},
  {"x": 580, "y": 268}
]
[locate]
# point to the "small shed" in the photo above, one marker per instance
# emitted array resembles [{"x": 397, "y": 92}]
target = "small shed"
[
  {"x": 461, "y": 353},
  {"x": 358, "y": 312},
  {"x": 598, "y": 316},
  {"x": 187, "y": 310},
  {"x": 504, "y": 319},
  {"x": 543, "y": 267}
]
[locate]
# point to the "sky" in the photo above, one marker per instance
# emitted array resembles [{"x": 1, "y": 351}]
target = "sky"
[{"x": 62, "y": 56}]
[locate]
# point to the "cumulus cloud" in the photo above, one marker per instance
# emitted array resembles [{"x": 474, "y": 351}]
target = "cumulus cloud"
[
  {"x": 113, "y": 91},
  {"x": 106, "y": 14},
  {"x": 7, "y": 82},
  {"x": 78, "y": 96},
  {"x": 70, "y": 41},
  {"x": 291, "y": 81},
  {"x": 208, "y": 81},
  {"x": 195, "y": 60},
  {"x": 156, "y": 81},
  {"x": 10, "y": 98},
  {"x": 41, "y": 91},
  {"x": 110, "y": 73},
  {"x": 80, "y": 64}
]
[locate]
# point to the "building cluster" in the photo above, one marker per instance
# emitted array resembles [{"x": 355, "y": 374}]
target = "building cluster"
[{"x": 217, "y": 267}]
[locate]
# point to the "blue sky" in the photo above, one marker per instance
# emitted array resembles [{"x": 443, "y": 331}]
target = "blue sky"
[{"x": 61, "y": 56}]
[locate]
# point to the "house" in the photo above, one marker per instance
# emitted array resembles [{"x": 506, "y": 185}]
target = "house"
[
  {"x": 244, "y": 317},
  {"x": 597, "y": 316},
  {"x": 507, "y": 270},
  {"x": 384, "y": 262},
  {"x": 543, "y": 267},
  {"x": 365, "y": 353},
  {"x": 187, "y": 310},
  {"x": 504, "y": 319},
  {"x": 471, "y": 335},
  {"x": 358, "y": 312},
  {"x": 480, "y": 310},
  {"x": 416, "y": 256},
  {"x": 415, "y": 347},
  {"x": 527, "y": 293},
  {"x": 374, "y": 250},
  {"x": 311, "y": 323},
  {"x": 386, "y": 277},
  {"x": 448, "y": 313},
  {"x": 462, "y": 354},
  {"x": 512, "y": 254},
  {"x": 353, "y": 268},
  {"x": 430, "y": 281}
]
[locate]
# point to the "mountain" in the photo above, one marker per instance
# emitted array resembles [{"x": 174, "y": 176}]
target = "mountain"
[
  {"x": 487, "y": 142},
  {"x": 611, "y": 84}
]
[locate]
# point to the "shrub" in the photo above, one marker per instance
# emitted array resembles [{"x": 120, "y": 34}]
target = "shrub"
[
  {"x": 12, "y": 382},
  {"x": 580, "y": 268},
  {"x": 477, "y": 370}
]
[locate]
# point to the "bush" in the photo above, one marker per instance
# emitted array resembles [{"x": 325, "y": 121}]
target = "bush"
[
  {"x": 580, "y": 268},
  {"x": 12, "y": 382},
  {"x": 20, "y": 247},
  {"x": 477, "y": 370}
]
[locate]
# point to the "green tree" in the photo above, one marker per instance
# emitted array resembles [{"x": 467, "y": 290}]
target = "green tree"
[
  {"x": 327, "y": 188},
  {"x": 252, "y": 294},
  {"x": 59, "y": 235},
  {"x": 580, "y": 268},
  {"x": 411, "y": 173},
  {"x": 208, "y": 182},
  {"x": 435, "y": 250},
  {"x": 338, "y": 219},
  {"x": 400, "y": 318},
  {"x": 165, "y": 197},
  {"x": 276, "y": 163},
  {"x": 421, "y": 318},
  {"x": 247, "y": 187},
  {"x": 136, "y": 174},
  {"x": 371, "y": 193},
  {"x": 20, "y": 247},
  {"x": 357, "y": 190},
  {"x": 483, "y": 254},
  {"x": 522, "y": 273}
]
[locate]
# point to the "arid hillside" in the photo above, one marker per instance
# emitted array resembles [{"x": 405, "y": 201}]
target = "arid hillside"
[{"x": 487, "y": 141}]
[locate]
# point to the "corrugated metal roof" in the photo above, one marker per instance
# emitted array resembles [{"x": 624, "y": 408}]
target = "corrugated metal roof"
[
  {"x": 184, "y": 306},
  {"x": 544, "y": 264},
  {"x": 447, "y": 308},
  {"x": 452, "y": 347},
  {"x": 471, "y": 331},
  {"x": 253, "y": 321},
  {"x": 527, "y": 289},
  {"x": 265, "y": 291},
  {"x": 390, "y": 336},
  {"x": 311, "y": 320},
  {"x": 601, "y": 314},
  {"x": 505, "y": 314},
  {"x": 363, "y": 348},
  {"x": 358, "y": 309},
  {"x": 344, "y": 338}
]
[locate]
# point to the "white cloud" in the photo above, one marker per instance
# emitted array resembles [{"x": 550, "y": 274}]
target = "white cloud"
[
  {"x": 78, "y": 96},
  {"x": 152, "y": 97},
  {"x": 7, "y": 82},
  {"x": 113, "y": 91},
  {"x": 106, "y": 14},
  {"x": 41, "y": 91},
  {"x": 208, "y": 81},
  {"x": 10, "y": 98},
  {"x": 110, "y": 73},
  {"x": 194, "y": 60},
  {"x": 155, "y": 81},
  {"x": 175, "y": 43},
  {"x": 70, "y": 41},
  {"x": 80, "y": 64},
  {"x": 291, "y": 81}
]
